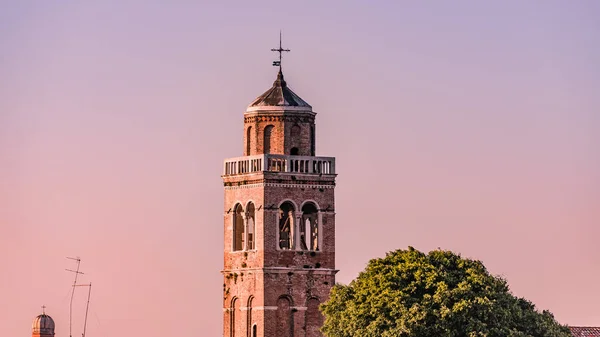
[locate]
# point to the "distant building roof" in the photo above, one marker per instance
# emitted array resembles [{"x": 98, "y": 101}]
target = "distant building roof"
[
  {"x": 279, "y": 95},
  {"x": 43, "y": 324},
  {"x": 585, "y": 331}
]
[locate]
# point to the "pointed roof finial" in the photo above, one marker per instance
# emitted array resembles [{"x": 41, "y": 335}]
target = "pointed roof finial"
[
  {"x": 43, "y": 309},
  {"x": 279, "y": 97},
  {"x": 280, "y": 50}
]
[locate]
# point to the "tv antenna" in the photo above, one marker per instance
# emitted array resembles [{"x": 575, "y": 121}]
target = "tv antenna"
[
  {"x": 280, "y": 50},
  {"x": 77, "y": 272},
  {"x": 89, "y": 285}
]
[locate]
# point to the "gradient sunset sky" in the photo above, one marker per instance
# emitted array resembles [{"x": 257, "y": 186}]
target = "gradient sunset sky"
[{"x": 472, "y": 126}]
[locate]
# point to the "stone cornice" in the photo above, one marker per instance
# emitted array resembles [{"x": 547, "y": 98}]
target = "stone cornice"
[
  {"x": 265, "y": 183},
  {"x": 280, "y": 118},
  {"x": 284, "y": 270}
]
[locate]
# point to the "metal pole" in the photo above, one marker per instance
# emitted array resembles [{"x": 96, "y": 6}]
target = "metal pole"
[
  {"x": 77, "y": 272},
  {"x": 86, "y": 310}
]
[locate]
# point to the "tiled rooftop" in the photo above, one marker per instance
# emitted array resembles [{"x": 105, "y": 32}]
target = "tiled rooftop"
[
  {"x": 280, "y": 95},
  {"x": 584, "y": 331}
]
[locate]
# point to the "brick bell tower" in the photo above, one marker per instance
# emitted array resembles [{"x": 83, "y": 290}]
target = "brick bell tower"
[{"x": 279, "y": 221}]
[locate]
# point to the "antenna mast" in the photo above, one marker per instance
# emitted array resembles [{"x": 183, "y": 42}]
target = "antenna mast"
[
  {"x": 87, "y": 305},
  {"x": 77, "y": 272}
]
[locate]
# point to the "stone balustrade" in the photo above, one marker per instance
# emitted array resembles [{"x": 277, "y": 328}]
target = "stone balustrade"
[{"x": 279, "y": 163}]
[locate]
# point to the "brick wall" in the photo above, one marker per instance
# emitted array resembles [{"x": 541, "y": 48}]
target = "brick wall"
[
  {"x": 280, "y": 282},
  {"x": 281, "y": 138}
]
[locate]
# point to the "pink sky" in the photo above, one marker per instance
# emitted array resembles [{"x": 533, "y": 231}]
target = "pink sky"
[{"x": 464, "y": 125}]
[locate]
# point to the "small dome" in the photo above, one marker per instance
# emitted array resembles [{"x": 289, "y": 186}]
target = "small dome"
[
  {"x": 279, "y": 96},
  {"x": 43, "y": 325}
]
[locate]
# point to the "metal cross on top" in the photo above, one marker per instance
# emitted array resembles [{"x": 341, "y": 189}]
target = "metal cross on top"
[
  {"x": 43, "y": 309},
  {"x": 280, "y": 50}
]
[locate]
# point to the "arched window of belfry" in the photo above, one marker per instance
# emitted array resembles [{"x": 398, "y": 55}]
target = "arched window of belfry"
[
  {"x": 309, "y": 227},
  {"x": 286, "y": 225},
  {"x": 250, "y": 227},
  {"x": 267, "y": 139},
  {"x": 248, "y": 140},
  {"x": 238, "y": 228}
]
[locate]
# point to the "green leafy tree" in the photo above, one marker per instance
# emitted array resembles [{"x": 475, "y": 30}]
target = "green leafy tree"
[{"x": 412, "y": 294}]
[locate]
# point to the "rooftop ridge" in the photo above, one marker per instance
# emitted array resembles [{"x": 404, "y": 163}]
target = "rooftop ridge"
[{"x": 585, "y": 331}]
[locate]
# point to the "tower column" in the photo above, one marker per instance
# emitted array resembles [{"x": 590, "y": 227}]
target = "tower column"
[
  {"x": 320, "y": 230},
  {"x": 245, "y": 224},
  {"x": 297, "y": 228},
  {"x": 293, "y": 224}
]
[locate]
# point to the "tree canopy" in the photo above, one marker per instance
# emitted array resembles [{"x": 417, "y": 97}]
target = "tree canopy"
[{"x": 440, "y": 294}]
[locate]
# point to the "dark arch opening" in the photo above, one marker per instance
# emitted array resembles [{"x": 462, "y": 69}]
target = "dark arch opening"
[
  {"x": 238, "y": 228},
  {"x": 295, "y": 139},
  {"x": 309, "y": 227},
  {"x": 250, "y": 227},
  {"x": 286, "y": 225},
  {"x": 248, "y": 138},
  {"x": 267, "y": 138}
]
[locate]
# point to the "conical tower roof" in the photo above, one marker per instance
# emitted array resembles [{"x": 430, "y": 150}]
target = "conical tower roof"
[{"x": 280, "y": 97}]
